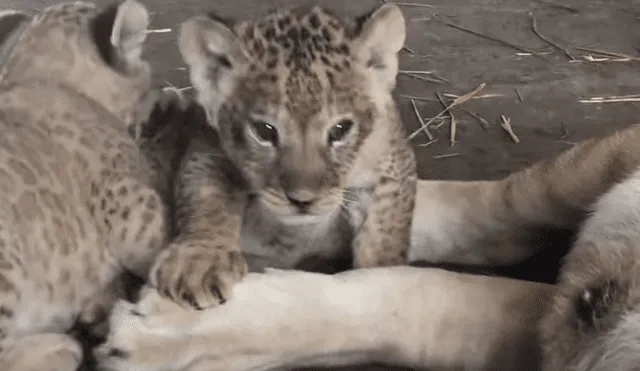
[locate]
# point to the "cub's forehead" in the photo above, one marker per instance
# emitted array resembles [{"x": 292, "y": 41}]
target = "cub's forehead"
[
  {"x": 301, "y": 58},
  {"x": 296, "y": 38}
]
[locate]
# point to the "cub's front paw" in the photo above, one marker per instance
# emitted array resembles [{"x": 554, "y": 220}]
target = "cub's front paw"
[{"x": 198, "y": 276}]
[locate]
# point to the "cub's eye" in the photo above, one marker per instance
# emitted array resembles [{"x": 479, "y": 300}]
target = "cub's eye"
[
  {"x": 265, "y": 132},
  {"x": 339, "y": 131}
]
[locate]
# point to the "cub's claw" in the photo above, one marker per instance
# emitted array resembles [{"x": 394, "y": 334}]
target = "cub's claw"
[{"x": 198, "y": 278}]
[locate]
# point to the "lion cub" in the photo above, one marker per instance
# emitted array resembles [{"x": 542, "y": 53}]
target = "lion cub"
[{"x": 308, "y": 156}]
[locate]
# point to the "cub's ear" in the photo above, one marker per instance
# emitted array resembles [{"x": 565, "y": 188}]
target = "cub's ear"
[
  {"x": 380, "y": 35},
  {"x": 119, "y": 32},
  {"x": 215, "y": 56},
  {"x": 12, "y": 22}
]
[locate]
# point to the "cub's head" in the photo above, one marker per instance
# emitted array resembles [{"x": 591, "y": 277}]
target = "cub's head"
[
  {"x": 91, "y": 50},
  {"x": 298, "y": 97}
]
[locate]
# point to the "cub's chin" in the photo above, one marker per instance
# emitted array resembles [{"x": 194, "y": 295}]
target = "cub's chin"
[{"x": 290, "y": 214}]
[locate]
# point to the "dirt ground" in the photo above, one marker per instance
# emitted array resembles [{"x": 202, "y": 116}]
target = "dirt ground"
[{"x": 546, "y": 96}]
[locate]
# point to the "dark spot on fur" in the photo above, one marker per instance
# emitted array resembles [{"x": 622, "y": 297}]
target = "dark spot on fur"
[
  {"x": 6, "y": 312},
  {"x": 118, "y": 353},
  {"x": 270, "y": 32},
  {"x": 125, "y": 213},
  {"x": 596, "y": 302},
  {"x": 314, "y": 21},
  {"x": 304, "y": 34},
  {"x": 123, "y": 191}
]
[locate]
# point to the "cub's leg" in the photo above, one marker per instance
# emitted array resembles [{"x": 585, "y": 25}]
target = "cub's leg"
[
  {"x": 384, "y": 237},
  {"x": 136, "y": 219},
  {"x": 497, "y": 223},
  {"x": 204, "y": 261},
  {"x": 422, "y": 318}
]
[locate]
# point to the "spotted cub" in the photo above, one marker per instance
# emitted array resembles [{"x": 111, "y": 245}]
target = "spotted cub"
[
  {"x": 308, "y": 156},
  {"x": 78, "y": 203}
]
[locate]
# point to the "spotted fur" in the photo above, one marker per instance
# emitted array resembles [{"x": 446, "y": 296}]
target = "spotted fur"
[
  {"x": 305, "y": 154},
  {"x": 79, "y": 202}
]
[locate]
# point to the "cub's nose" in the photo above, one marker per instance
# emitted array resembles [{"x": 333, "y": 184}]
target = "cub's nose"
[{"x": 301, "y": 199}]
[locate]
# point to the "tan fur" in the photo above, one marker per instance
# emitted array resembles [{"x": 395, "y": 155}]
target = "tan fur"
[
  {"x": 432, "y": 318},
  {"x": 78, "y": 203},
  {"x": 421, "y": 318},
  {"x": 486, "y": 219},
  {"x": 307, "y": 156}
]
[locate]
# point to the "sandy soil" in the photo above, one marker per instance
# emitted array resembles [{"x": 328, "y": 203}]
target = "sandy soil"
[{"x": 541, "y": 95}]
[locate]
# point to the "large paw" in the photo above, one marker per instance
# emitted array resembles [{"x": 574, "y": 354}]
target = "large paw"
[
  {"x": 198, "y": 276},
  {"x": 156, "y": 334}
]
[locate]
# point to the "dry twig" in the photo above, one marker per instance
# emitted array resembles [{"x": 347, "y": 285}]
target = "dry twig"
[
  {"x": 484, "y": 123},
  {"x": 415, "y": 74},
  {"x": 453, "y": 125},
  {"x": 506, "y": 125},
  {"x": 442, "y": 122},
  {"x": 422, "y": 78},
  {"x": 610, "y": 54},
  {"x": 483, "y": 96},
  {"x": 428, "y": 143},
  {"x": 421, "y": 121},
  {"x": 415, "y": 97},
  {"x": 456, "y": 102},
  {"x": 612, "y": 99},
  {"x": 519, "y": 95},
  {"x": 492, "y": 38},
  {"x": 559, "y": 6},
  {"x": 418, "y": 5},
  {"x": 446, "y": 155},
  {"x": 534, "y": 27},
  {"x": 590, "y": 58},
  {"x": 408, "y": 50},
  {"x": 161, "y": 30}
]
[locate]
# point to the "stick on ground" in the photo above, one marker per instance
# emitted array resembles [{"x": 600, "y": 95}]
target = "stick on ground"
[
  {"x": 453, "y": 125},
  {"x": 413, "y": 4},
  {"x": 415, "y": 97},
  {"x": 559, "y": 6},
  {"x": 534, "y": 27},
  {"x": 408, "y": 50},
  {"x": 422, "y": 78},
  {"x": 421, "y": 121},
  {"x": 456, "y": 102},
  {"x": 612, "y": 99},
  {"x": 428, "y": 143},
  {"x": 610, "y": 54},
  {"x": 506, "y": 125},
  {"x": 484, "y": 123},
  {"x": 446, "y": 155},
  {"x": 492, "y": 38}
]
